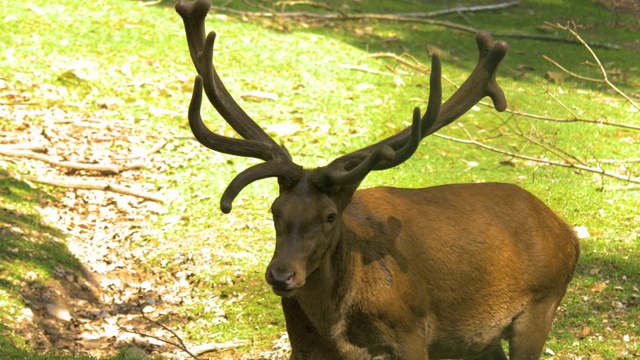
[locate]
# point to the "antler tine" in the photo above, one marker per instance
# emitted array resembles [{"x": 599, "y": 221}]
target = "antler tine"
[
  {"x": 481, "y": 83},
  {"x": 256, "y": 142},
  {"x": 354, "y": 167},
  {"x": 223, "y": 144},
  {"x": 281, "y": 167},
  {"x": 201, "y": 51}
]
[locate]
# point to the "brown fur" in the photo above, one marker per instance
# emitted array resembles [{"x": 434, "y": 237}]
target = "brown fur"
[{"x": 441, "y": 272}]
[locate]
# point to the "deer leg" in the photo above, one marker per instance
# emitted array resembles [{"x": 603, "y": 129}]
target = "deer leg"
[{"x": 530, "y": 331}]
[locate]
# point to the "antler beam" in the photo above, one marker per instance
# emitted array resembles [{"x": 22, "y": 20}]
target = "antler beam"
[{"x": 481, "y": 83}]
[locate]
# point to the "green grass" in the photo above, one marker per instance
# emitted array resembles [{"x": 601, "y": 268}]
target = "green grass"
[{"x": 138, "y": 54}]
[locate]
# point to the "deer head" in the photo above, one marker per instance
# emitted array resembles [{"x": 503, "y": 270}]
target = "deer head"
[{"x": 308, "y": 211}]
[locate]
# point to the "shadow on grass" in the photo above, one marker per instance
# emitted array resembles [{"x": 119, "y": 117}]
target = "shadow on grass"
[{"x": 36, "y": 270}]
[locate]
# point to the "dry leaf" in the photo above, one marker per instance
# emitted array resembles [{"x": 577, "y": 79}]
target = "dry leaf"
[
  {"x": 599, "y": 287},
  {"x": 554, "y": 77},
  {"x": 584, "y": 332},
  {"x": 259, "y": 96}
]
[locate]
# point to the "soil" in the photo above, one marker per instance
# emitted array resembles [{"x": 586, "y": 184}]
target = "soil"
[
  {"x": 108, "y": 306},
  {"x": 115, "y": 299}
]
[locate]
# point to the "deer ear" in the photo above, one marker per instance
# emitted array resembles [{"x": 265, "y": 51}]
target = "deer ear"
[{"x": 286, "y": 183}]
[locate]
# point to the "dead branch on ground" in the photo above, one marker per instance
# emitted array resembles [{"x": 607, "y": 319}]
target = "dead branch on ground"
[
  {"x": 101, "y": 168},
  {"x": 562, "y": 163},
  {"x": 572, "y": 29},
  {"x": 85, "y": 185},
  {"x": 564, "y": 158},
  {"x": 420, "y": 17},
  {"x": 179, "y": 344}
]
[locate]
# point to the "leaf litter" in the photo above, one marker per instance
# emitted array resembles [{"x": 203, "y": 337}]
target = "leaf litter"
[{"x": 106, "y": 306}]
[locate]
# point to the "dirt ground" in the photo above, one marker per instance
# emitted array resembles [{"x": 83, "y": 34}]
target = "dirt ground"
[{"x": 104, "y": 309}]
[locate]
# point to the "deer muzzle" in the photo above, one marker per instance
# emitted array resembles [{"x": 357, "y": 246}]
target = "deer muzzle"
[{"x": 284, "y": 280}]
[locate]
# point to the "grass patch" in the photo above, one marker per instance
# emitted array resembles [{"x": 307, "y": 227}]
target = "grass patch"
[{"x": 83, "y": 59}]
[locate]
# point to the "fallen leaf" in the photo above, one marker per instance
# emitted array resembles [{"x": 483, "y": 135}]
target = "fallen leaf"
[
  {"x": 599, "y": 287},
  {"x": 259, "y": 96},
  {"x": 554, "y": 77},
  {"x": 584, "y": 332}
]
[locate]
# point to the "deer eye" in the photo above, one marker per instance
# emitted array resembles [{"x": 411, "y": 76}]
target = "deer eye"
[{"x": 331, "y": 217}]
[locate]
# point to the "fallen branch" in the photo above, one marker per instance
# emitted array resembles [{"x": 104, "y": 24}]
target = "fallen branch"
[
  {"x": 573, "y": 119},
  {"x": 85, "y": 185},
  {"x": 366, "y": 70},
  {"x": 32, "y": 146},
  {"x": 157, "y": 147},
  {"x": 571, "y": 28},
  {"x": 193, "y": 351},
  {"x": 180, "y": 345},
  {"x": 215, "y": 347},
  {"x": 622, "y": 187},
  {"x": 592, "y": 169},
  {"x": 417, "y": 15},
  {"x": 421, "y": 17},
  {"x": 102, "y": 168},
  {"x": 416, "y": 65}
]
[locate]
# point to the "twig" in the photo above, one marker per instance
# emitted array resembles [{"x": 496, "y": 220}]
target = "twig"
[
  {"x": 84, "y": 185},
  {"x": 592, "y": 169},
  {"x": 416, "y": 65},
  {"x": 102, "y": 168},
  {"x": 179, "y": 345},
  {"x": 338, "y": 14},
  {"x": 214, "y": 347},
  {"x": 366, "y": 69},
  {"x": 193, "y": 351},
  {"x": 571, "y": 73},
  {"x": 565, "y": 120},
  {"x": 157, "y": 147},
  {"x": 605, "y": 78},
  {"x": 325, "y": 6},
  {"x": 421, "y": 17},
  {"x": 39, "y": 147},
  {"x": 622, "y": 187}
]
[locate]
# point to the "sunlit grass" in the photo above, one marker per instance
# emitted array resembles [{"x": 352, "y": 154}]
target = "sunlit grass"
[{"x": 138, "y": 54}]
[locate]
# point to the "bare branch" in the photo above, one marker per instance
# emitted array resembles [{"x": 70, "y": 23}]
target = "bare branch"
[
  {"x": 571, "y": 28},
  {"x": 366, "y": 70},
  {"x": 215, "y": 347},
  {"x": 102, "y": 168},
  {"x": 571, "y": 73},
  {"x": 85, "y": 185},
  {"x": 416, "y": 65},
  {"x": 575, "y": 118},
  {"x": 31, "y": 146},
  {"x": 340, "y": 15},
  {"x": 593, "y": 169},
  {"x": 193, "y": 351},
  {"x": 179, "y": 345},
  {"x": 157, "y": 147},
  {"x": 421, "y": 17}
]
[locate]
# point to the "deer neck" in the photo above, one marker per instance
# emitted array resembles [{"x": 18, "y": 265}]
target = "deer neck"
[{"x": 326, "y": 287}]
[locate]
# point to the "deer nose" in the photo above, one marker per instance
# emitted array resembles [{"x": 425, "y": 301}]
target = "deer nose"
[{"x": 279, "y": 278}]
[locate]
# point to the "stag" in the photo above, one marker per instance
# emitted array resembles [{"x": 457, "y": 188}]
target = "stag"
[{"x": 388, "y": 273}]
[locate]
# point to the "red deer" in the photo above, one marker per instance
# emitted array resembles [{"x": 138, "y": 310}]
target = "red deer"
[{"x": 386, "y": 273}]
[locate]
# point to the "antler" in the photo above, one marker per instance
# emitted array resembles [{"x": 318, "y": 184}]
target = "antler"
[
  {"x": 256, "y": 142},
  {"x": 349, "y": 169}
]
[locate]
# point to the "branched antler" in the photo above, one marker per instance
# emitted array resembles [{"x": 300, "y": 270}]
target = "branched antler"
[{"x": 350, "y": 169}]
